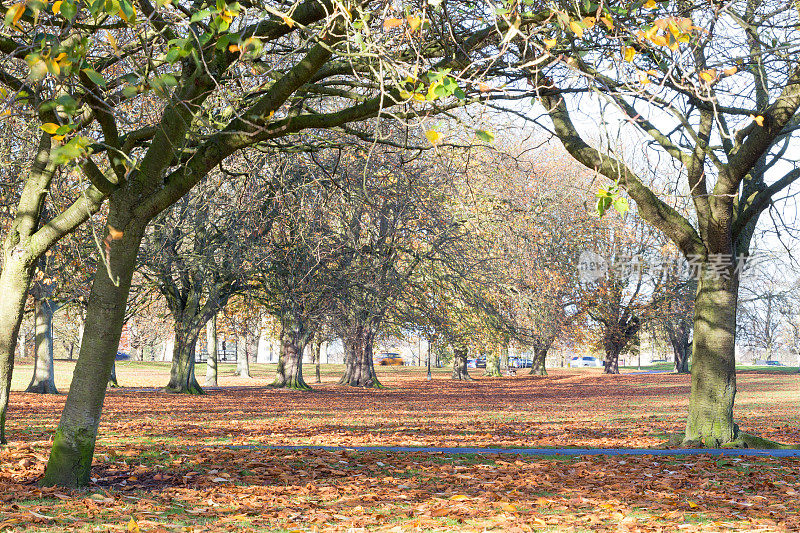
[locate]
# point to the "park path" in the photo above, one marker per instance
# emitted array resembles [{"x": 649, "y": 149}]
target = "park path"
[{"x": 547, "y": 452}]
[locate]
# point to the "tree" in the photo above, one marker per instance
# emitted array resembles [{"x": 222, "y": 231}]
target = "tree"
[
  {"x": 233, "y": 77},
  {"x": 710, "y": 90}
]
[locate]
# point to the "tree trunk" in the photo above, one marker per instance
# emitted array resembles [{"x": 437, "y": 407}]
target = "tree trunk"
[
  {"x": 182, "y": 377},
  {"x": 539, "y": 358},
  {"x": 317, "y": 347},
  {"x": 112, "y": 379},
  {"x": 15, "y": 281},
  {"x": 290, "y": 361},
  {"x": 211, "y": 346},
  {"x": 73, "y": 444},
  {"x": 43, "y": 380},
  {"x": 679, "y": 339},
  {"x": 710, "y": 421},
  {"x": 493, "y": 365},
  {"x": 611, "y": 362},
  {"x": 242, "y": 360},
  {"x": 504, "y": 349},
  {"x": 460, "y": 363},
  {"x": 359, "y": 368}
]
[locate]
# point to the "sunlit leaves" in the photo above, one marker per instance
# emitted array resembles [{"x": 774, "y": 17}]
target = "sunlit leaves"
[
  {"x": 611, "y": 197},
  {"x": 433, "y": 136}
]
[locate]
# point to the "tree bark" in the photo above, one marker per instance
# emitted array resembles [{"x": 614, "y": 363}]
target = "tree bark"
[
  {"x": 681, "y": 347},
  {"x": 182, "y": 379},
  {"x": 112, "y": 379},
  {"x": 211, "y": 346},
  {"x": 290, "y": 362},
  {"x": 317, "y": 349},
  {"x": 359, "y": 368},
  {"x": 15, "y": 281},
  {"x": 460, "y": 363},
  {"x": 43, "y": 380},
  {"x": 710, "y": 422},
  {"x": 493, "y": 365},
  {"x": 242, "y": 359},
  {"x": 539, "y": 357},
  {"x": 504, "y": 349},
  {"x": 73, "y": 444}
]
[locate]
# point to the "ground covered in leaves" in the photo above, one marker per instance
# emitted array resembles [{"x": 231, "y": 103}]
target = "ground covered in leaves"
[{"x": 163, "y": 461}]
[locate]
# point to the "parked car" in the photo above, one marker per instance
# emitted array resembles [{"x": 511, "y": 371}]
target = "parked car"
[
  {"x": 122, "y": 356},
  {"x": 584, "y": 361},
  {"x": 519, "y": 362},
  {"x": 773, "y": 363},
  {"x": 390, "y": 359}
]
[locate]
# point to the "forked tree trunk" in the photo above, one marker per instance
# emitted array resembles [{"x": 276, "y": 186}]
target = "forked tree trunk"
[
  {"x": 211, "y": 347},
  {"x": 182, "y": 377},
  {"x": 539, "y": 357},
  {"x": 43, "y": 380},
  {"x": 359, "y": 370},
  {"x": 73, "y": 444},
  {"x": 289, "y": 373},
  {"x": 242, "y": 359},
  {"x": 681, "y": 347},
  {"x": 460, "y": 363},
  {"x": 710, "y": 420},
  {"x": 15, "y": 281}
]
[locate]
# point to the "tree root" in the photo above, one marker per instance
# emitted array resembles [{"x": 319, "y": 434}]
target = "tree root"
[{"x": 742, "y": 440}]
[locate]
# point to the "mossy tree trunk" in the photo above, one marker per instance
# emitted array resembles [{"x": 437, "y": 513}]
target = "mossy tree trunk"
[
  {"x": 493, "y": 365},
  {"x": 616, "y": 338},
  {"x": 70, "y": 459},
  {"x": 112, "y": 379},
  {"x": 294, "y": 337},
  {"x": 43, "y": 380},
  {"x": 182, "y": 377},
  {"x": 211, "y": 347},
  {"x": 710, "y": 420},
  {"x": 538, "y": 367},
  {"x": 359, "y": 365},
  {"x": 460, "y": 363}
]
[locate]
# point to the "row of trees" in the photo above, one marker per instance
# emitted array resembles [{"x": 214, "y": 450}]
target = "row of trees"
[{"x": 138, "y": 104}]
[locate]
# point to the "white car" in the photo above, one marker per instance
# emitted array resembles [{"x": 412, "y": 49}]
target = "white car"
[{"x": 585, "y": 360}]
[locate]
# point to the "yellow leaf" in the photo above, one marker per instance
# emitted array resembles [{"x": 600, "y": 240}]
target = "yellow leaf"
[
  {"x": 576, "y": 28},
  {"x": 608, "y": 22},
  {"x": 459, "y": 498},
  {"x": 643, "y": 78},
  {"x": 133, "y": 526},
  {"x": 112, "y": 41},
  {"x": 49, "y": 127},
  {"x": 692, "y": 504},
  {"x": 708, "y": 75},
  {"x": 60, "y": 56},
  {"x": 57, "y": 7},
  {"x": 758, "y": 120},
  {"x": 288, "y": 21},
  {"x": 388, "y": 24},
  {"x": 549, "y": 43},
  {"x": 234, "y": 48},
  {"x": 650, "y": 4},
  {"x": 508, "y": 508},
  {"x": 433, "y": 136},
  {"x": 628, "y": 53},
  {"x": 17, "y": 10},
  {"x": 730, "y": 71},
  {"x": 58, "y": 137},
  {"x": 589, "y": 22},
  {"x": 659, "y": 40},
  {"x": 414, "y": 22},
  {"x": 115, "y": 234}
]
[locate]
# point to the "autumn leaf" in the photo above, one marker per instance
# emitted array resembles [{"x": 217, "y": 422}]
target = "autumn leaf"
[
  {"x": 433, "y": 136},
  {"x": 390, "y": 23},
  {"x": 758, "y": 119},
  {"x": 549, "y": 43},
  {"x": 49, "y": 127},
  {"x": 133, "y": 526},
  {"x": 629, "y": 53},
  {"x": 708, "y": 75},
  {"x": 576, "y": 28}
]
